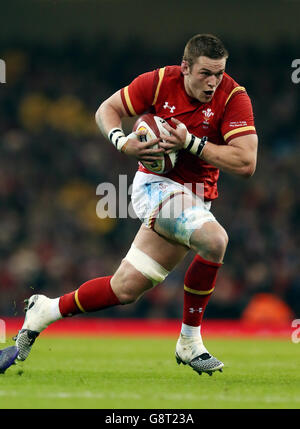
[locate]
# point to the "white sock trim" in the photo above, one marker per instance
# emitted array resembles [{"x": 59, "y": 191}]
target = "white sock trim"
[
  {"x": 190, "y": 331},
  {"x": 55, "y": 313}
]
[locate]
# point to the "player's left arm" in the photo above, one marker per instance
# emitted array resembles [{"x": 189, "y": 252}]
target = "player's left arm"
[{"x": 238, "y": 157}]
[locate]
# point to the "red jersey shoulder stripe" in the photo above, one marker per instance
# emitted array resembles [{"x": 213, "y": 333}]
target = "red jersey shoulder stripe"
[
  {"x": 161, "y": 74},
  {"x": 234, "y": 91},
  {"x": 134, "y": 99},
  {"x": 127, "y": 101},
  {"x": 231, "y": 89}
]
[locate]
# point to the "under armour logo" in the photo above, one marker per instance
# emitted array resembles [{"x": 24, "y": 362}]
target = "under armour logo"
[
  {"x": 193, "y": 310},
  {"x": 166, "y": 106}
]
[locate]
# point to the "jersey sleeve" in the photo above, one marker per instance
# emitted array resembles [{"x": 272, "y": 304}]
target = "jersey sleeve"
[
  {"x": 139, "y": 95},
  {"x": 238, "y": 117}
]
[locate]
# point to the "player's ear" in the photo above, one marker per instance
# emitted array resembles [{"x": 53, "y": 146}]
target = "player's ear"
[{"x": 185, "y": 68}]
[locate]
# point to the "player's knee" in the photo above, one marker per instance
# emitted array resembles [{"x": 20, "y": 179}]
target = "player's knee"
[
  {"x": 217, "y": 245},
  {"x": 128, "y": 296},
  {"x": 127, "y": 290},
  {"x": 128, "y": 284},
  {"x": 211, "y": 242}
]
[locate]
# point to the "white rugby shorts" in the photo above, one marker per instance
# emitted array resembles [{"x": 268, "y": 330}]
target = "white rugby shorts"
[{"x": 151, "y": 200}]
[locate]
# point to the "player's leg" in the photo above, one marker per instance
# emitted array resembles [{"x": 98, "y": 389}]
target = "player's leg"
[
  {"x": 190, "y": 222},
  {"x": 148, "y": 262},
  {"x": 209, "y": 242}
]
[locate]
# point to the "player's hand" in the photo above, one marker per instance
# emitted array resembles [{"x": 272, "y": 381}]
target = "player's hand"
[
  {"x": 177, "y": 138},
  {"x": 143, "y": 151}
]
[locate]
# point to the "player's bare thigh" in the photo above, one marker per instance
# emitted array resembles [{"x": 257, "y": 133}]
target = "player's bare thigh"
[{"x": 128, "y": 283}]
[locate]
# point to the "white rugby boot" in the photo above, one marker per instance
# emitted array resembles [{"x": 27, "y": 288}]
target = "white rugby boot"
[
  {"x": 40, "y": 312},
  {"x": 191, "y": 351}
]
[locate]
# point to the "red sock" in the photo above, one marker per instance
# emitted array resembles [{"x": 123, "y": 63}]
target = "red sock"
[
  {"x": 93, "y": 295},
  {"x": 199, "y": 283}
]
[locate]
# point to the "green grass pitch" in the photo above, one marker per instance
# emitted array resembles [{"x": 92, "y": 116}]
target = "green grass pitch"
[{"x": 137, "y": 373}]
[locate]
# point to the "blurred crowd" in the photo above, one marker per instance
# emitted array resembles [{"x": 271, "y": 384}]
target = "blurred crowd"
[{"x": 53, "y": 157}]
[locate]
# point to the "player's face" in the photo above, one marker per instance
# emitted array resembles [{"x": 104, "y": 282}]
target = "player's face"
[{"x": 202, "y": 79}]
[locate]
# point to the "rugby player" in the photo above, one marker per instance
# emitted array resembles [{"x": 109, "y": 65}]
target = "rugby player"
[{"x": 210, "y": 122}]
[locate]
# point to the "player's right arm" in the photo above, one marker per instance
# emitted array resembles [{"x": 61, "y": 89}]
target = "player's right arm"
[{"x": 109, "y": 119}]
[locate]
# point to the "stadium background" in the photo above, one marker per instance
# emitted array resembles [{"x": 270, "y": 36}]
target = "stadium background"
[{"x": 64, "y": 58}]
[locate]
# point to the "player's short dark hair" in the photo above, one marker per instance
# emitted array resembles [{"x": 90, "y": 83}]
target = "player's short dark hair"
[{"x": 206, "y": 45}]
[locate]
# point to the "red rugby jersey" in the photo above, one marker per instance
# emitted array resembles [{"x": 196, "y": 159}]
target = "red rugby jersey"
[{"x": 228, "y": 115}]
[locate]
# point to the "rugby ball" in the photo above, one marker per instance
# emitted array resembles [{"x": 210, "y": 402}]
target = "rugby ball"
[{"x": 154, "y": 127}]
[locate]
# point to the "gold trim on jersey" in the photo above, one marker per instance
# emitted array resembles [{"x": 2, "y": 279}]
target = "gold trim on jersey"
[
  {"x": 238, "y": 130},
  {"x": 198, "y": 292},
  {"x": 160, "y": 78},
  {"x": 78, "y": 302},
  {"x": 237, "y": 88},
  {"x": 128, "y": 101}
]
